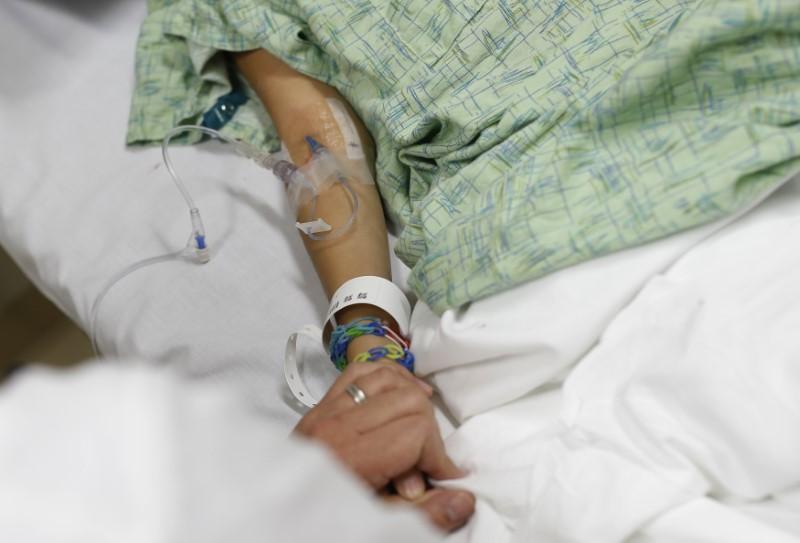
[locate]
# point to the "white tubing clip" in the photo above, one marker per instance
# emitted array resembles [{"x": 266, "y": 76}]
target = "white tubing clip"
[{"x": 313, "y": 227}]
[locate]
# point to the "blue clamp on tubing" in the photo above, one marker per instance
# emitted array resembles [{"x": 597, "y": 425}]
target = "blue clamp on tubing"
[{"x": 223, "y": 110}]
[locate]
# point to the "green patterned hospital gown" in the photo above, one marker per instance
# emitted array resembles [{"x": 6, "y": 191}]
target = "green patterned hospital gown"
[{"x": 514, "y": 138}]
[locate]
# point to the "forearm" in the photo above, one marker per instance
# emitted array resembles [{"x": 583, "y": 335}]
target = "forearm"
[{"x": 298, "y": 108}]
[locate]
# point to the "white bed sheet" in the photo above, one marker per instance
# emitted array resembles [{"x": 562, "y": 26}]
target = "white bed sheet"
[{"x": 76, "y": 207}]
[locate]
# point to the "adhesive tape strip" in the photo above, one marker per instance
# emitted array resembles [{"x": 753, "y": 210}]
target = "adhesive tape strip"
[{"x": 352, "y": 141}]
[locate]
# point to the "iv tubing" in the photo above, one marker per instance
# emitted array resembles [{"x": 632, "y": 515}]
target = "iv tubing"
[
  {"x": 198, "y": 251},
  {"x": 168, "y": 161},
  {"x": 114, "y": 280}
]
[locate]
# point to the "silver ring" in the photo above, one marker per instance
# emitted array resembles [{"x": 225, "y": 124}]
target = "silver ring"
[{"x": 356, "y": 393}]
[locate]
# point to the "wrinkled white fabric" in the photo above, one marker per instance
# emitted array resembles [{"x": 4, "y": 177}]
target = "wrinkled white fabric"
[
  {"x": 502, "y": 347},
  {"x": 130, "y": 453},
  {"x": 684, "y": 416}
]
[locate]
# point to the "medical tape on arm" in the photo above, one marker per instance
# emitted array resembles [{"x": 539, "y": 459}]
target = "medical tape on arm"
[
  {"x": 355, "y": 159},
  {"x": 352, "y": 142}
]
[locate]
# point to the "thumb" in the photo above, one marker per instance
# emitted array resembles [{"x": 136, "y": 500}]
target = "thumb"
[
  {"x": 434, "y": 460},
  {"x": 448, "y": 509}
]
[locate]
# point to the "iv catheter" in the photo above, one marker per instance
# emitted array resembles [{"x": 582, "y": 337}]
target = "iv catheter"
[
  {"x": 295, "y": 182},
  {"x": 303, "y": 192}
]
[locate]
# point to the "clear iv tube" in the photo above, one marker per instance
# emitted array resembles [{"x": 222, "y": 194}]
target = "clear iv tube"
[
  {"x": 168, "y": 161},
  {"x": 283, "y": 170},
  {"x": 113, "y": 281}
]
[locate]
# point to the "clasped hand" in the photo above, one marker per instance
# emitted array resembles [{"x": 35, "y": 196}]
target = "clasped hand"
[{"x": 390, "y": 440}]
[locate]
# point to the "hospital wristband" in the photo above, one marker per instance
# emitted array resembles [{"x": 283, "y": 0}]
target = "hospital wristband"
[{"x": 374, "y": 291}]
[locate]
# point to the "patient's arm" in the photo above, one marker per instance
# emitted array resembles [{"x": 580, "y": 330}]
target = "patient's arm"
[
  {"x": 296, "y": 103},
  {"x": 297, "y": 106}
]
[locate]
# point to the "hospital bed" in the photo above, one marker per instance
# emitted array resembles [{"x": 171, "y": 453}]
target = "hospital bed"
[{"x": 610, "y": 346}]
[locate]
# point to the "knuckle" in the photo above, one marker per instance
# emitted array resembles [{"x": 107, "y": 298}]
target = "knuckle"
[
  {"x": 390, "y": 366},
  {"x": 401, "y": 370},
  {"x": 302, "y": 428},
  {"x": 321, "y": 429},
  {"x": 354, "y": 371},
  {"x": 383, "y": 376},
  {"x": 417, "y": 399},
  {"x": 307, "y": 423},
  {"x": 386, "y": 363},
  {"x": 386, "y": 372}
]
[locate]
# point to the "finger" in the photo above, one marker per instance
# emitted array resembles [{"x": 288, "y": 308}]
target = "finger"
[
  {"x": 433, "y": 460},
  {"x": 425, "y": 386},
  {"x": 448, "y": 509},
  {"x": 362, "y": 417},
  {"x": 356, "y": 371},
  {"x": 379, "y": 410},
  {"x": 410, "y": 485},
  {"x": 381, "y": 380},
  {"x": 390, "y": 450},
  {"x": 374, "y": 380}
]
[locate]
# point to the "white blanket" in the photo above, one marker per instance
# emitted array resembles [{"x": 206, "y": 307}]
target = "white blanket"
[
  {"x": 679, "y": 425},
  {"x": 129, "y": 453},
  {"x": 682, "y": 423}
]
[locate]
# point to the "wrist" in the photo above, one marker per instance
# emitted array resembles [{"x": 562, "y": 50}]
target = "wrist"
[
  {"x": 349, "y": 314},
  {"x": 363, "y": 344},
  {"x": 352, "y": 313}
]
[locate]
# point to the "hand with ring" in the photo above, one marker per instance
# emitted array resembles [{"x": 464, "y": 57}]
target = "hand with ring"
[{"x": 378, "y": 420}]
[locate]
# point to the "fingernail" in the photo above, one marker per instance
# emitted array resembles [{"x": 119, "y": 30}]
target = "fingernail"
[
  {"x": 411, "y": 488},
  {"x": 459, "y": 507}
]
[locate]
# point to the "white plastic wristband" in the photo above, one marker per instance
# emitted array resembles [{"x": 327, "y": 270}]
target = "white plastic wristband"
[
  {"x": 292, "y": 370},
  {"x": 372, "y": 290}
]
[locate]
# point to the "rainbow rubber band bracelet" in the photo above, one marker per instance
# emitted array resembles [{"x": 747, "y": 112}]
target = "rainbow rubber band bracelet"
[
  {"x": 342, "y": 336},
  {"x": 391, "y": 351}
]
